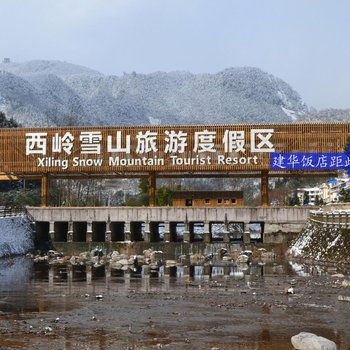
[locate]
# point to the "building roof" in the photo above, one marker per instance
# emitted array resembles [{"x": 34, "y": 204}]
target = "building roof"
[{"x": 207, "y": 194}]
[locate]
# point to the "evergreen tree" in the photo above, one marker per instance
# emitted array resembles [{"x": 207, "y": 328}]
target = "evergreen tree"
[
  {"x": 164, "y": 196},
  {"x": 11, "y": 192},
  {"x": 344, "y": 195},
  {"x": 318, "y": 200},
  {"x": 143, "y": 185},
  {"x": 294, "y": 199},
  {"x": 7, "y": 123}
]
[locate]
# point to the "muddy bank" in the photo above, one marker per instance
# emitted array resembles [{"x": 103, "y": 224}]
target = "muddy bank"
[{"x": 248, "y": 310}]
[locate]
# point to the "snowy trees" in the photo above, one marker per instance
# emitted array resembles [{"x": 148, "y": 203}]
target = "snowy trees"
[
  {"x": 57, "y": 93},
  {"x": 344, "y": 195},
  {"x": 7, "y": 123}
]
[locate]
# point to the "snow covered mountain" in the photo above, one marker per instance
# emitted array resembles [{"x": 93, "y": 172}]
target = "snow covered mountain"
[
  {"x": 326, "y": 115},
  {"x": 50, "y": 93}
]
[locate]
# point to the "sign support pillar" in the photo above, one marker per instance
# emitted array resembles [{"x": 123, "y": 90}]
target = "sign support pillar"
[
  {"x": 265, "y": 188},
  {"x": 44, "y": 189},
  {"x": 152, "y": 189}
]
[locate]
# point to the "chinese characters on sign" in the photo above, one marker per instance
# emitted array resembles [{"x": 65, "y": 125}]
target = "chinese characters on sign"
[
  {"x": 169, "y": 147},
  {"x": 309, "y": 161},
  {"x": 176, "y": 148},
  {"x": 90, "y": 142}
]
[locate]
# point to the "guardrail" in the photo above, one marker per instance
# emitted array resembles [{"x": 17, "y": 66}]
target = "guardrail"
[
  {"x": 5, "y": 212},
  {"x": 340, "y": 219}
]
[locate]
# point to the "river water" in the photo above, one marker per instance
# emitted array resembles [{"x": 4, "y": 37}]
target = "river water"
[{"x": 213, "y": 305}]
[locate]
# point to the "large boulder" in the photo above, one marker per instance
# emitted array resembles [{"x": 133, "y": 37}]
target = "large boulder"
[
  {"x": 310, "y": 341},
  {"x": 346, "y": 284}
]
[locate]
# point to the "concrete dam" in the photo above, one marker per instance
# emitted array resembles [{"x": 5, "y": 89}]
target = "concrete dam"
[{"x": 167, "y": 224}]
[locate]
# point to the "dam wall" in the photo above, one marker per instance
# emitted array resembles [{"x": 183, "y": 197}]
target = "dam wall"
[{"x": 168, "y": 224}]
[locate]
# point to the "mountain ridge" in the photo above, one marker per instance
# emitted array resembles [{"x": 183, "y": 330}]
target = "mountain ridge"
[{"x": 55, "y": 93}]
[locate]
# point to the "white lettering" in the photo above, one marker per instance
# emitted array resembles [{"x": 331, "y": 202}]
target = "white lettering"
[
  {"x": 146, "y": 142},
  {"x": 36, "y": 143},
  {"x": 64, "y": 142},
  {"x": 86, "y": 162},
  {"x": 90, "y": 142},
  {"x": 119, "y": 148},
  {"x": 233, "y": 141},
  {"x": 176, "y": 142},
  {"x": 204, "y": 141},
  {"x": 222, "y": 160},
  {"x": 144, "y": 161},
  {"x": 51, "y": 162},
  {"x": 191, "y": 161},
  {"x": 264, "y": 135}
]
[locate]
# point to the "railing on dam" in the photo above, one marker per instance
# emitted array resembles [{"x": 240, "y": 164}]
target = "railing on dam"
[
  {"x": 5, "y": 211},
  {"x": 337, "y": 218}
]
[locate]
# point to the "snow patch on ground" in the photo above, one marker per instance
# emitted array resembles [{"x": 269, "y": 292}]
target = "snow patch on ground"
[
  {"x": 302, "y": 241},
  {"x": 334, "y": 242},
  {"x": 16, "y": 236},
  {"x": 290, "y": 113},
  {"x": 321, "y": 243}
]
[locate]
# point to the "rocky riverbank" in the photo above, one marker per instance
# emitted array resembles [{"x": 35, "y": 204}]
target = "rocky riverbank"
[
  {"x": 153, "y": 258},
  {"x": 321, "y": 244}
]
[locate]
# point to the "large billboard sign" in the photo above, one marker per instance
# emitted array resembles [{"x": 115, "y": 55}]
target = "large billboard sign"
[{"x": 166, "y": 148}]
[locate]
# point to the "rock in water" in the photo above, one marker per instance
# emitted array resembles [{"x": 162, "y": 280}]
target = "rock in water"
[
  {"x": 346, "y": 284},
  {"x": 310, "y": 341},
  {"x": 242, "y": 259}
]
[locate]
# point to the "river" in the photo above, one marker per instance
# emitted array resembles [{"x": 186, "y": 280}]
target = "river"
[{"x": 216, "y": 305}]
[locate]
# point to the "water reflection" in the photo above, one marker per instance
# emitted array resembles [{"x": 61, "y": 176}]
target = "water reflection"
[
  {"x": 15, "y": 272},
  {"x": 24, "y": 272},
  {"x": 40, "y": 288},
  {"x": 20, "y": 272},
  {"x": 304, "y": 270},
  {"x": 19, "y": 292}
]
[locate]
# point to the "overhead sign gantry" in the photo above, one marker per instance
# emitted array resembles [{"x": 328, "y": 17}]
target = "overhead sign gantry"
[{"x": 244, "y": 150}]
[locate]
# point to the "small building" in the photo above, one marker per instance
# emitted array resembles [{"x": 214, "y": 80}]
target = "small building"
[
  {"x": 335, "y": 186},
  {"x": 208, "y": 199},
  {"x": 325, "y": 193},
  {"x": 313, "y": 193},
  {"x": 330, "y": 190}
]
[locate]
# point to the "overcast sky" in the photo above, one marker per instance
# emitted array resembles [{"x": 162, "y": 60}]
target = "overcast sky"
[{"x": 304, "y": 42}]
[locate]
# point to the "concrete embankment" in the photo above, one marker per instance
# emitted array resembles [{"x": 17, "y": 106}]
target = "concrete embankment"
[
  {"x": 322, "y": 243},
  {"x": 16, "y": 236}
]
